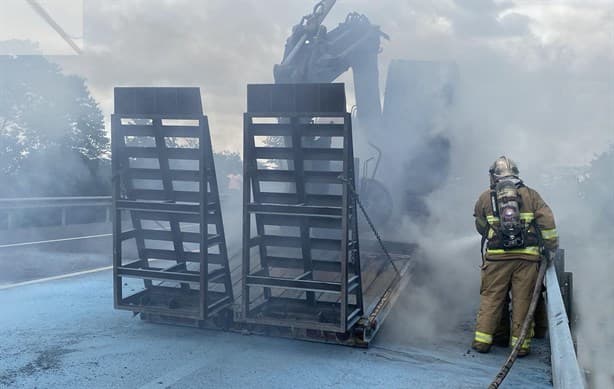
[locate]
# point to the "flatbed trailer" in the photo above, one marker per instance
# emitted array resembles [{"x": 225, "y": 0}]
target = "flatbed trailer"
[{"x": 301, "y": 273}]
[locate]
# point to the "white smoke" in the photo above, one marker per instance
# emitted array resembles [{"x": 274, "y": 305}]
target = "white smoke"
[{"x": 535, "y": 84}]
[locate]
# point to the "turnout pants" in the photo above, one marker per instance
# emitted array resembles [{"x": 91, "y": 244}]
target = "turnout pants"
[
  {"x": 540, "y": 321},
  {"x": 499, "y": 277}
]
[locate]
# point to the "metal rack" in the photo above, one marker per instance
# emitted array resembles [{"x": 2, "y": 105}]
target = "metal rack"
[
  {"x": 301, "y": 257},
  {"x": 164, "y": 178}
]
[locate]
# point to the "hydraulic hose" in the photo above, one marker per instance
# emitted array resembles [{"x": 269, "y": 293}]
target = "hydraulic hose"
[{"x": 507, "y": 366}]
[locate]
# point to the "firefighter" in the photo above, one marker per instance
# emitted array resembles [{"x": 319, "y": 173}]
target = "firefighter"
[{"x": 517, "y": 227}]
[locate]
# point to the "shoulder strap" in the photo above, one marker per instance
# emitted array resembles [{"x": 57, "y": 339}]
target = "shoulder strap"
[
  {"x": 482, "y": 248},
  {"x": 494, "y": 203}
]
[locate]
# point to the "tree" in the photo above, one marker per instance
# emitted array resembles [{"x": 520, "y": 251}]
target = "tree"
[
  {"x": 229, "y": 168},
  {"x": 52, "y": 137}
]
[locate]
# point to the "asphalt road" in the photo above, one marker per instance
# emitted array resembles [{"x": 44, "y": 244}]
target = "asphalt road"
[{"x": 65, "y": 333}]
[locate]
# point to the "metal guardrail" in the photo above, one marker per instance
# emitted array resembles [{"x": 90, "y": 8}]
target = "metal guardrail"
[
  {"x": 11, "y": 204},
  {"x": 8, "y": 206},
  {"x": 566, "y": 373},
  {"x": 54, "y": 202}
]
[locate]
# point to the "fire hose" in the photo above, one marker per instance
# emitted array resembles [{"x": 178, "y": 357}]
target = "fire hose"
[{"x": 524, "y": 330}]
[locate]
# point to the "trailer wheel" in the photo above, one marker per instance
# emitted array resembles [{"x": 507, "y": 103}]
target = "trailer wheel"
[
  {"x": 343, "y": 336},
  {"x": 223, "y": 319}
]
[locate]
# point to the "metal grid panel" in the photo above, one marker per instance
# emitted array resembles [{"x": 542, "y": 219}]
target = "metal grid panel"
[
  {"x": 164, "y": 178},
  {"x": 301, "y": 266}
]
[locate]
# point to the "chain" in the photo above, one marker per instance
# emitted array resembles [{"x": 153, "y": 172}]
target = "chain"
[{"x": 364, "y": 212}]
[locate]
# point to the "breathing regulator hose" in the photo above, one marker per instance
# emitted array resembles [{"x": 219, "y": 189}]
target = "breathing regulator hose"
[{"x": 524, "y": 330}]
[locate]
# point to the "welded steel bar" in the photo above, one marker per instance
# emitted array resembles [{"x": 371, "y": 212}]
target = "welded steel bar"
[
  {"x": 159, "y": 207},
  {"x": 296, "y": 263},
  {"x": 311, "y": 130},
  {"x": 304, "y": 285},
  {"x": 247, "y": 221},
  {"x": 117, "y": 213},
  {"x": 298, "y": 210},
  {"x": 354, "y": 246},
  {"x": 345, "y": 224},
  {"x": 153, "y": 274},
  {"x": 203, "y": 225}
]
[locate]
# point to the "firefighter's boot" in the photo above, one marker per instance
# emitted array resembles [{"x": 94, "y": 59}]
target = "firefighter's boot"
[
  {"x": 523, "y": 352},
  {"x": 480, "y": 347}
]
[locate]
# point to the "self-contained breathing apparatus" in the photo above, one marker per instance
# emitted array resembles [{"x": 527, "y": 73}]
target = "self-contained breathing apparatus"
[
  {"x": 512, "y": 232},
  {"x": 506, "y": 206}
]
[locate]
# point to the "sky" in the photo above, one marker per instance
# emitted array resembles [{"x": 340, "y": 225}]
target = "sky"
[
  {"x": 540, "y": 70},
  {"x": 19, "y": 21}
]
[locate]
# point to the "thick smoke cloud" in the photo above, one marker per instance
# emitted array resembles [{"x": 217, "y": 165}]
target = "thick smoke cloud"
[
  {"x": 217, "y": 45},
  {"x": 535, "y": 83},
  {"x": 540, "y": 69}
]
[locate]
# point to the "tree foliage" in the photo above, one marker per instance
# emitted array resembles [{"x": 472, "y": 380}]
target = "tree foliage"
[
  {"x": 228, "y": 168},
  {"x": 52, "y": 136}
]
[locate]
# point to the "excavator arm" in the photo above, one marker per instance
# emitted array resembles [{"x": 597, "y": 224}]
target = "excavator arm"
[
  {"x": 313, "y": 54},
  {"x": 306, "y": 35}
]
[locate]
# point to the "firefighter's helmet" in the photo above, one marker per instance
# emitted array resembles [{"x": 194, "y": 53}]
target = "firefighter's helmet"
[{"x": 501, "y": 168}]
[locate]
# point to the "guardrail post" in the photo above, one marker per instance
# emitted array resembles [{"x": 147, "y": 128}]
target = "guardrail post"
[
  {"x": 63, "y": 210},
  {"x": 107, "y": 214},
  {"x": 9, "y": 220}
]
